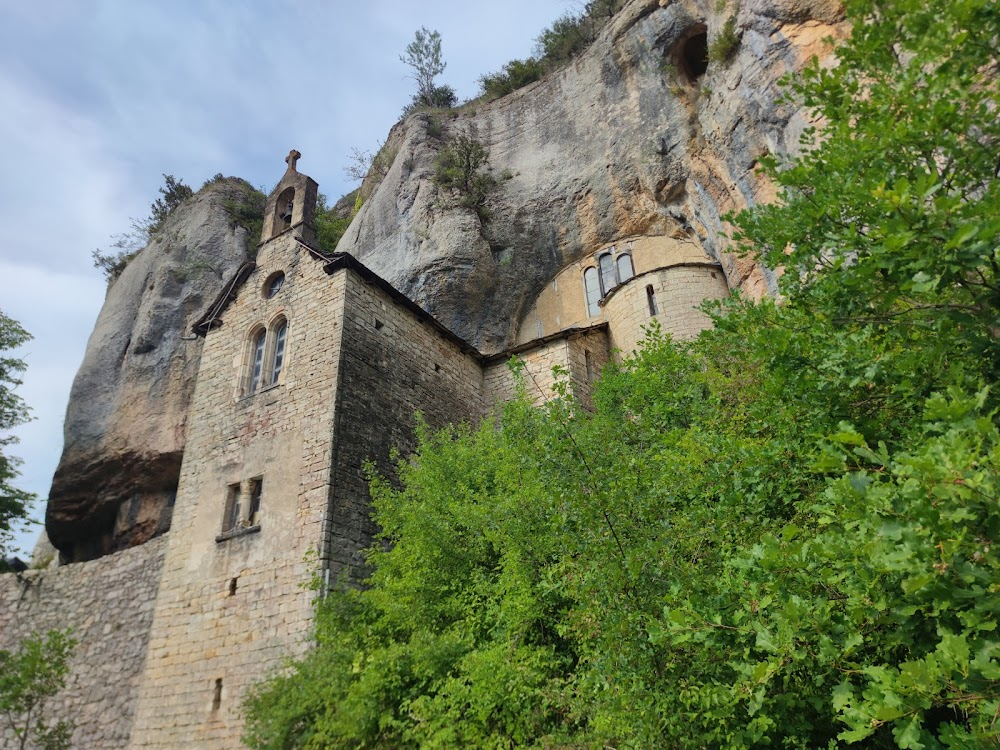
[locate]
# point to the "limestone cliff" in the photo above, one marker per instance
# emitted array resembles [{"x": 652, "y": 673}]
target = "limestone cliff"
[
  {"x": 631, "y": 138},
  {"x": 125, "y": 423},
  {"x": 634, "y": 137}
]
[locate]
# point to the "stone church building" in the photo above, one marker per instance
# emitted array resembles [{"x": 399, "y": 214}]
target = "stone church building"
[{"x": 312, "y": 366}]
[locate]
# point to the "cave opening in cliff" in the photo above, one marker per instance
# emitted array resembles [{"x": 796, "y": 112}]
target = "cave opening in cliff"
[{"x": 694, "y": 55}]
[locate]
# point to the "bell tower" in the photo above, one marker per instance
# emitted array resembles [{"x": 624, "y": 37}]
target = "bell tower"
[{"x": 291, "y": 206}]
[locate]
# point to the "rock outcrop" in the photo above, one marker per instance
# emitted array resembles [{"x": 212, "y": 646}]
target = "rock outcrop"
[
  {"x": 631, "y": 138},
  {"x": 635, "y": 137},
  {"x": 125, "y": 423}
]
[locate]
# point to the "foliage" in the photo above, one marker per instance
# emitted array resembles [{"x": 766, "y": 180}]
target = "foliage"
[
  {"x": 462, "y": 169},
  {"x": 330, "y": 227},
  {"x": 781, "y": 534},
  {"x": 29, "y": 677},
  {"x": 247, "y": 211},
  {"x": 423, "y": 55},
  {"x": 566, "y": 38},
  {"x": 570, "y": 34},
  {"x": 127, "y": 245},
  {"x": 726, "y": 41},
  {"x": 514, "y": 75},
  {"x": 364, "y": 163},
  {"x": 14, "y": 502}
]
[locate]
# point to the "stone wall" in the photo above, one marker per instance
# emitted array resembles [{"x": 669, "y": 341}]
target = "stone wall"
[
  {"x": 580, "y": 353},
  {"x": 678, "y": 291},
  {"x": 395, "y": 362},
  {"x": 233, "y": 607},
  {"x": 108, "y": 603}
]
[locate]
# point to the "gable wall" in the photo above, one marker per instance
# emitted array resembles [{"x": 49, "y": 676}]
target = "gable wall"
[{"x": 201, "y": 633}]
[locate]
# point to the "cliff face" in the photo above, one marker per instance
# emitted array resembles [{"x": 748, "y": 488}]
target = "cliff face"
[
  {"x": 629, "y": 139},
  {"x": 632, "y": 138},
  {"x": 126, "y": 419}
]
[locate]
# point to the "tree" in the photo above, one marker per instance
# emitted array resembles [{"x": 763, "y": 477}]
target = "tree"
[
  {"x": 128, "y": 244},
  {"x": 29, "y": 677},
  {"x": 423, "y": 55},
  {"x": 14, "y": 502},
  {"x": 462, "y": 168}
]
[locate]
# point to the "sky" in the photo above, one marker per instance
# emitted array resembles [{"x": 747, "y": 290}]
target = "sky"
[{"x": 100, "y": 98}]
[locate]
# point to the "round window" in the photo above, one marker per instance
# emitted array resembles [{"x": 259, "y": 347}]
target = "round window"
[{"x": 273, "y": 284}]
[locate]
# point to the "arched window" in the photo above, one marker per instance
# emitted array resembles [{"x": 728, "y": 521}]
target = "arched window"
[
  {"x": 592, "y": 286},
  {"x": 279, "y": 331},
  {"x": 625, "y": 270},
  {"x": 609, "y": 279},
  {"x": 257, "y": 360}
]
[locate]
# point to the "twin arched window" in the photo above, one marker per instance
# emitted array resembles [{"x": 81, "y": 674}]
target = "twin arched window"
[
  {"x": 609, "y": 273},
  {"x": 267, "y": 356}
]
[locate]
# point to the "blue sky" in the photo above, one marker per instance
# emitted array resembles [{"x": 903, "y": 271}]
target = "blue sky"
[{"x": 101, "y": 97}]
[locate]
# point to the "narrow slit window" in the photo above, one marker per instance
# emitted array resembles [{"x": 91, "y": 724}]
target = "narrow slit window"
[
  {"x": 217, "y": 697},
  {"x": 256, "y": 490},
  {"x": 592, "y": 285},
  {"x": 651, "y": 300},
  {"x": 609, "y": 279},
  {"x": 279, "y": 351},
  {"x": 232, "y": 516},
  {"x": 625, "y": 270},
  {"x": 257, "y": 365}
]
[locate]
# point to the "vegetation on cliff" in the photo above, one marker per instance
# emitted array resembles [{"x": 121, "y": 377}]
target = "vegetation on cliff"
[
  {"x": 567, "y": 37},
  {"x": 781, "y": 534},
  {"x": 126, "y": 245}
]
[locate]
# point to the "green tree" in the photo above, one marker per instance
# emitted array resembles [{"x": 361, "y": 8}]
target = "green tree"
[
  {"x": 29, "y": 678},
  {"x": 14, "y": 502},
  {"x": 423, "y": 55},
  {"x": 462, "y": 169}
]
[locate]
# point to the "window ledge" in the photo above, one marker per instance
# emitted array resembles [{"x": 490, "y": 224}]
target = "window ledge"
[{"x": 239, "y": 531}]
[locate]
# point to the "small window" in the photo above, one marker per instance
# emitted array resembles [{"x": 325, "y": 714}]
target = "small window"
[
  {"x": 253, "y": 513},
  {"x": 609, "y": 279},
  {"x": 592, "y": 287},
  {"x": 257, "y": 363},
  {"x": 280, "y": 333},
  {"x": 651, "y": 300},
  {"x": 232, "y": 517},
  {"x": 273, "y": 284},
  {"x": 625, "y": 270}
]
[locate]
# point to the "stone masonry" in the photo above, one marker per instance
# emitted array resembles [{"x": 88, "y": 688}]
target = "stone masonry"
[{"x": 108, "y": 604}]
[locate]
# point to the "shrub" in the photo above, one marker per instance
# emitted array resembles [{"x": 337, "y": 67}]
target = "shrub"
[
  {"x": 514, "y": 75},
  {"x": 462, "y": 168},
  {"x": 247, "y": 211},
  {"x": 726, "y": 41}
]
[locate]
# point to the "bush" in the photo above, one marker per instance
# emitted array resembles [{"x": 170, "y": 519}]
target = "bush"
[
  {"x": 515, "y": 75},
  {"x": 726, "y": 41},
  {"x": 247, "y": 211},
  {"x": 462, "y": 169}
]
